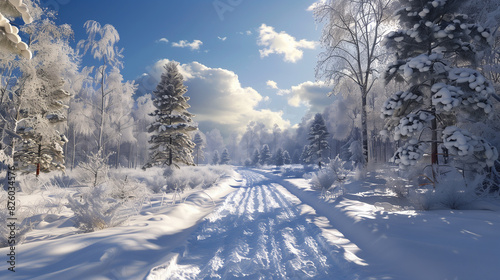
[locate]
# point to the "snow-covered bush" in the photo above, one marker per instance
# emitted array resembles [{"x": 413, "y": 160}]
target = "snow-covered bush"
[
  {"x": 95, "y": 209},
  {"x": 450, "y": 191},
  {"x": 331, "y": 178},
  {"x": 159, "y": 179},
  {"x": 22, "y": 228},
  {"x": 323, "y": 179},
  {"x": 29, "y": 183},
  {"x": 95, "y": 171},
  {"x": 126, "y": 189}
]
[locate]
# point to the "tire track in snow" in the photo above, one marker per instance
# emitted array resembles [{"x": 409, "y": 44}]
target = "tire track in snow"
[{"x": 257, "y": 233}]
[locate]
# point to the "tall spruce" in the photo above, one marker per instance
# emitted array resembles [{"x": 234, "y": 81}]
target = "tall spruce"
[
  {"x": 170, "y": 142},
  {"x": 435, "y": 52},
  {"x": 318, "y": 141}
]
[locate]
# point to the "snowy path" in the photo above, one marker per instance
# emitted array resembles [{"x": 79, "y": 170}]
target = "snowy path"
[{"x": 257, "y": 233}]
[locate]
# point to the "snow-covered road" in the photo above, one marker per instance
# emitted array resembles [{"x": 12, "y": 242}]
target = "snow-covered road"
[{"x": 259, "y": 232}]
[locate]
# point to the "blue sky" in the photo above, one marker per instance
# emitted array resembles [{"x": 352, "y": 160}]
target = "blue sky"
[{"x": 244, "y": 43}]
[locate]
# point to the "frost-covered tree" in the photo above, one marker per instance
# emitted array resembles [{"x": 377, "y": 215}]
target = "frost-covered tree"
[
  {"x": 351, "y": 38},
  {"x": 435, "y": 52},
  {"x": 286, "y": 157},
  {"x": 215, "y": 158},
  {"x": 198, "y": 149},
  {"x": 318, "y": 141},
  {"x": 265, "y": 155},
  {"x": 101, "y": 42},
  {"x": 279, "y": 159},
  {"x": 224, "y": 158},
  {"x": 170, "y": 142},
  {"x": 9, "y": 33},
  {"x": 43, "y": 109}
]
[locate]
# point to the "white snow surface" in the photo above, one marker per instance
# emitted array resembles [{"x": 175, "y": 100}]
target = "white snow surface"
[{"x": 265, "y": 226}]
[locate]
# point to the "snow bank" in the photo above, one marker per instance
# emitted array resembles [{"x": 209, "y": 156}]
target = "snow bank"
[{"x": 126, "y": 252}]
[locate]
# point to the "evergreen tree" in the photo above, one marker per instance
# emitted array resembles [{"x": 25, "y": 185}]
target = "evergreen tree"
[
  {"x": 286, "y": 157},
  {"x": 318, "y": 142},
  {"x": 224, "y": 159},
  {"x": 170, "y": 142},
  {"x": 215, "y": 158},
  {"x": 198, "y": 149},
  {"x": 279, "y": 158},
  {"x": 430, "y": 50},
  {"x": 255, "y": 157},
  {"x": 265, "y": 155}
]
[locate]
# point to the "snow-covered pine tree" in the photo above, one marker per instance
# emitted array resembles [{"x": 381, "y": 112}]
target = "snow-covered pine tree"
[
  {"x": 286, "y": 157},
  {"x": 432, "y": 50},
  {"x": 279, "y": 158},
  {"x": 265, "y": 155},
  {"x": 255, "y": 157},
  {"x": 224, "y": 158},
  {"x": 9, "y": 37},
  {"x": 170, "y": 142},
  {"x": 318, "y": 140},
  {"x": 198, "y": 149},
  {"x": 215, "y": 158}
]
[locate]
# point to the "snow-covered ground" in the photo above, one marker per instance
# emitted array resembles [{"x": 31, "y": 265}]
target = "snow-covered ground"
[{"x": 257, "y": 224}]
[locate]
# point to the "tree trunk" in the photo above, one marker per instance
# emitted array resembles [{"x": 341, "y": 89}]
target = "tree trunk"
[
  {"x": 74, "y": 150},
  {"x": 364, "y": 128},
  {"x": 102, "y": 111},
  {"x": 118, "y": 153},
  {"x": 39, "y": 159},
  {"x": 170, "y": 152}
]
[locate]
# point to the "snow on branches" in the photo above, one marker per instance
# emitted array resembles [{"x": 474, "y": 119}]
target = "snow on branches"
[
  {"x": 463, "y": 143},
  {"x": 9, "y": 34},
  {"x": 410, "y": 153},
  {"x": 433, "y": 41}
]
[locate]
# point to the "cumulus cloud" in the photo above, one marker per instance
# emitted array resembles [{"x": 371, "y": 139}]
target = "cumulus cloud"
[
  {"x": 282, "y": 43},
  {"x": 311, "y": 94},
  {"x": 217, "y": 98},
  {"x": 222, "y": 38},
  {"x": 272, "y": 84},
  {"x": 195, "y": 45}
]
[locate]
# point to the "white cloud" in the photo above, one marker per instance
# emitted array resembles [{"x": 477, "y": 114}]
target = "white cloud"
[
  {"x": 163, "y": 40},
  {"x": 222, "y": 38},
  {"x": 195, "y": 45},
  {"x": 315, "y": 5},
  {"x": 314, "y": 95},
  {"x": 217, "y": 98},
  {"x": 272, "y": 84},
  {"x": 282, "y": 43}
]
